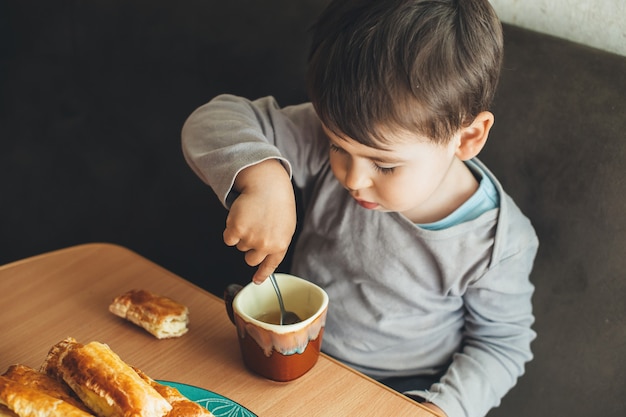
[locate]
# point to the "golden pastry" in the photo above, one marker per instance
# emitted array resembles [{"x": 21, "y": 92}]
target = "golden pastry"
[{"x": 159, "y": 315}]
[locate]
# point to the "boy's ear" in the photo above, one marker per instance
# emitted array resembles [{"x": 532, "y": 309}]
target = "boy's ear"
[{"x": 474, "y": 136}]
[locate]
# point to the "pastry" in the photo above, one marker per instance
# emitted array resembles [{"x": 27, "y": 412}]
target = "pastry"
[
  {"x": 27, "y": 401},
  {"x": 105, "y": 383},
  {"x": 159, "y": 315},
  {"x": 181, "y": 405},
  {"x": 28, "y": 376}
]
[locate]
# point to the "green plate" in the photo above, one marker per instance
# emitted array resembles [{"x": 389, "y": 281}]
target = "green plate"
[{"x": 218, "y": 405}]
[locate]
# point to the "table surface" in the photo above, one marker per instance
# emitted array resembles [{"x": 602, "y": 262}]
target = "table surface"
[{"x": 67, "y": 292}]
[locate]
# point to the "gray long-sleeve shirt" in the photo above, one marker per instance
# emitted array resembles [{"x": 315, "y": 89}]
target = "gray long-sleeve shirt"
[{"x": 403, "y": 300}]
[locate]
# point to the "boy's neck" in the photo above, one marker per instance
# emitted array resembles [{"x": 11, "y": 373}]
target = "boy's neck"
[{"x": 457, "y": 187}]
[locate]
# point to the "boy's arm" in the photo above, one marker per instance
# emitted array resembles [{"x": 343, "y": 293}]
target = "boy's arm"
[
  {"x": 226, "y": 135},
  {"x": 496, "y": 340},
  {"x": 232, "y": 144}
]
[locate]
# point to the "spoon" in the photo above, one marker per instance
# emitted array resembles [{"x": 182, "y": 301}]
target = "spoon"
[{"x": 286, "y": 317}]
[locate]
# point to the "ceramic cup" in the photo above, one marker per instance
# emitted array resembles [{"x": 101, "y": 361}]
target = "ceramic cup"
[{"x": 280, "y": 353}]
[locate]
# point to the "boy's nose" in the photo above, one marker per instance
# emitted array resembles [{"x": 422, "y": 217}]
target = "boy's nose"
[{"x": 356, "y": 177}]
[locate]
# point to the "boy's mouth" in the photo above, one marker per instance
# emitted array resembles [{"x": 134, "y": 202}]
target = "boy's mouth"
[{"x": 367, "y": 204}]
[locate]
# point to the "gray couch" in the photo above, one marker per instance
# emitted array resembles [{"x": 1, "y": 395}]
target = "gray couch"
[
  {"x": 93, "y": 96},
  {"x": 559, "y": 148}
]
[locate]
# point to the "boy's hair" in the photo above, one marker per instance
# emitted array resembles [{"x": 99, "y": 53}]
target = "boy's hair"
[{"x": 427, "y": 66}]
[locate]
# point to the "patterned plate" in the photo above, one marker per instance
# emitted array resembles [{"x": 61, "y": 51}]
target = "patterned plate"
[{"x": 218, "y": 405}]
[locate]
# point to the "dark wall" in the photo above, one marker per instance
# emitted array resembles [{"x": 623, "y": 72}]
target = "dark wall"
[{"x": 93, "y": 95}]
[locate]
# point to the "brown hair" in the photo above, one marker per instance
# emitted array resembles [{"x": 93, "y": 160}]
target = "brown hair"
[{"x": 428, "y": 66}]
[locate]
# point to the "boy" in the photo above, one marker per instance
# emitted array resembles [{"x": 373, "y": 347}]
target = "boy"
[{"x": 424, "y": 256}]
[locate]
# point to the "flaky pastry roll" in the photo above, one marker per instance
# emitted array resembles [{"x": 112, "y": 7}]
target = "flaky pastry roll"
[
  {"x": 159, "y": 315},
  {"x": 28, "y": 376},
  {"x": 27, "y": 401},
  {"x": 105, "y": 383},
  {"x": 181, "y": 405}
]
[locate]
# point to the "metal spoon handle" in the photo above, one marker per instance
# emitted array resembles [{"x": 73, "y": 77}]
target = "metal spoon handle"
[{"x": 280, "y": 298}]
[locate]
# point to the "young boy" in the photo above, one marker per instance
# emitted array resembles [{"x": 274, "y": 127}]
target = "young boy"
[{"x": 424, "y": 256}]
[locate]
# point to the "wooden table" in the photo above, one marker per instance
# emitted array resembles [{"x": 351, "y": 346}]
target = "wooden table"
[{"x": 67, "y": 292}]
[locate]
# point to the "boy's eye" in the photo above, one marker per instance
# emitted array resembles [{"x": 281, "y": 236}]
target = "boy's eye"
[
  {"x": 335, "y": 148},
  {"x": 383, "y": 170}
]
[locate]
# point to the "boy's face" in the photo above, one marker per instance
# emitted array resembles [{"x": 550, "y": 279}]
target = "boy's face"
[{"x": 414, "y": 176}]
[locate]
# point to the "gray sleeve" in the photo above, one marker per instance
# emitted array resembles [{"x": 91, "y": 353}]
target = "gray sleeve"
[
  {"x": 497, "y": 335},
  {"x": 226, "y": 135}
]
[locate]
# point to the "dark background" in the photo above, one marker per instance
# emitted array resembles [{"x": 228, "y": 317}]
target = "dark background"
[{"x": 93, "y": 95}]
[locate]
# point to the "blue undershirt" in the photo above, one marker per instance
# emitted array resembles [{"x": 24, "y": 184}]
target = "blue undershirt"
[{"x": 484, "y": 199}]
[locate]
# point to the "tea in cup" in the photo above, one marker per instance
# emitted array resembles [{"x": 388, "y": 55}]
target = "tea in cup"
[{"x": 278, "y": 352}]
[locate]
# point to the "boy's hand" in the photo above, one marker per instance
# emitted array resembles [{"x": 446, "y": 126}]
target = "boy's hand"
[{"x": 262, "y": 219}]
